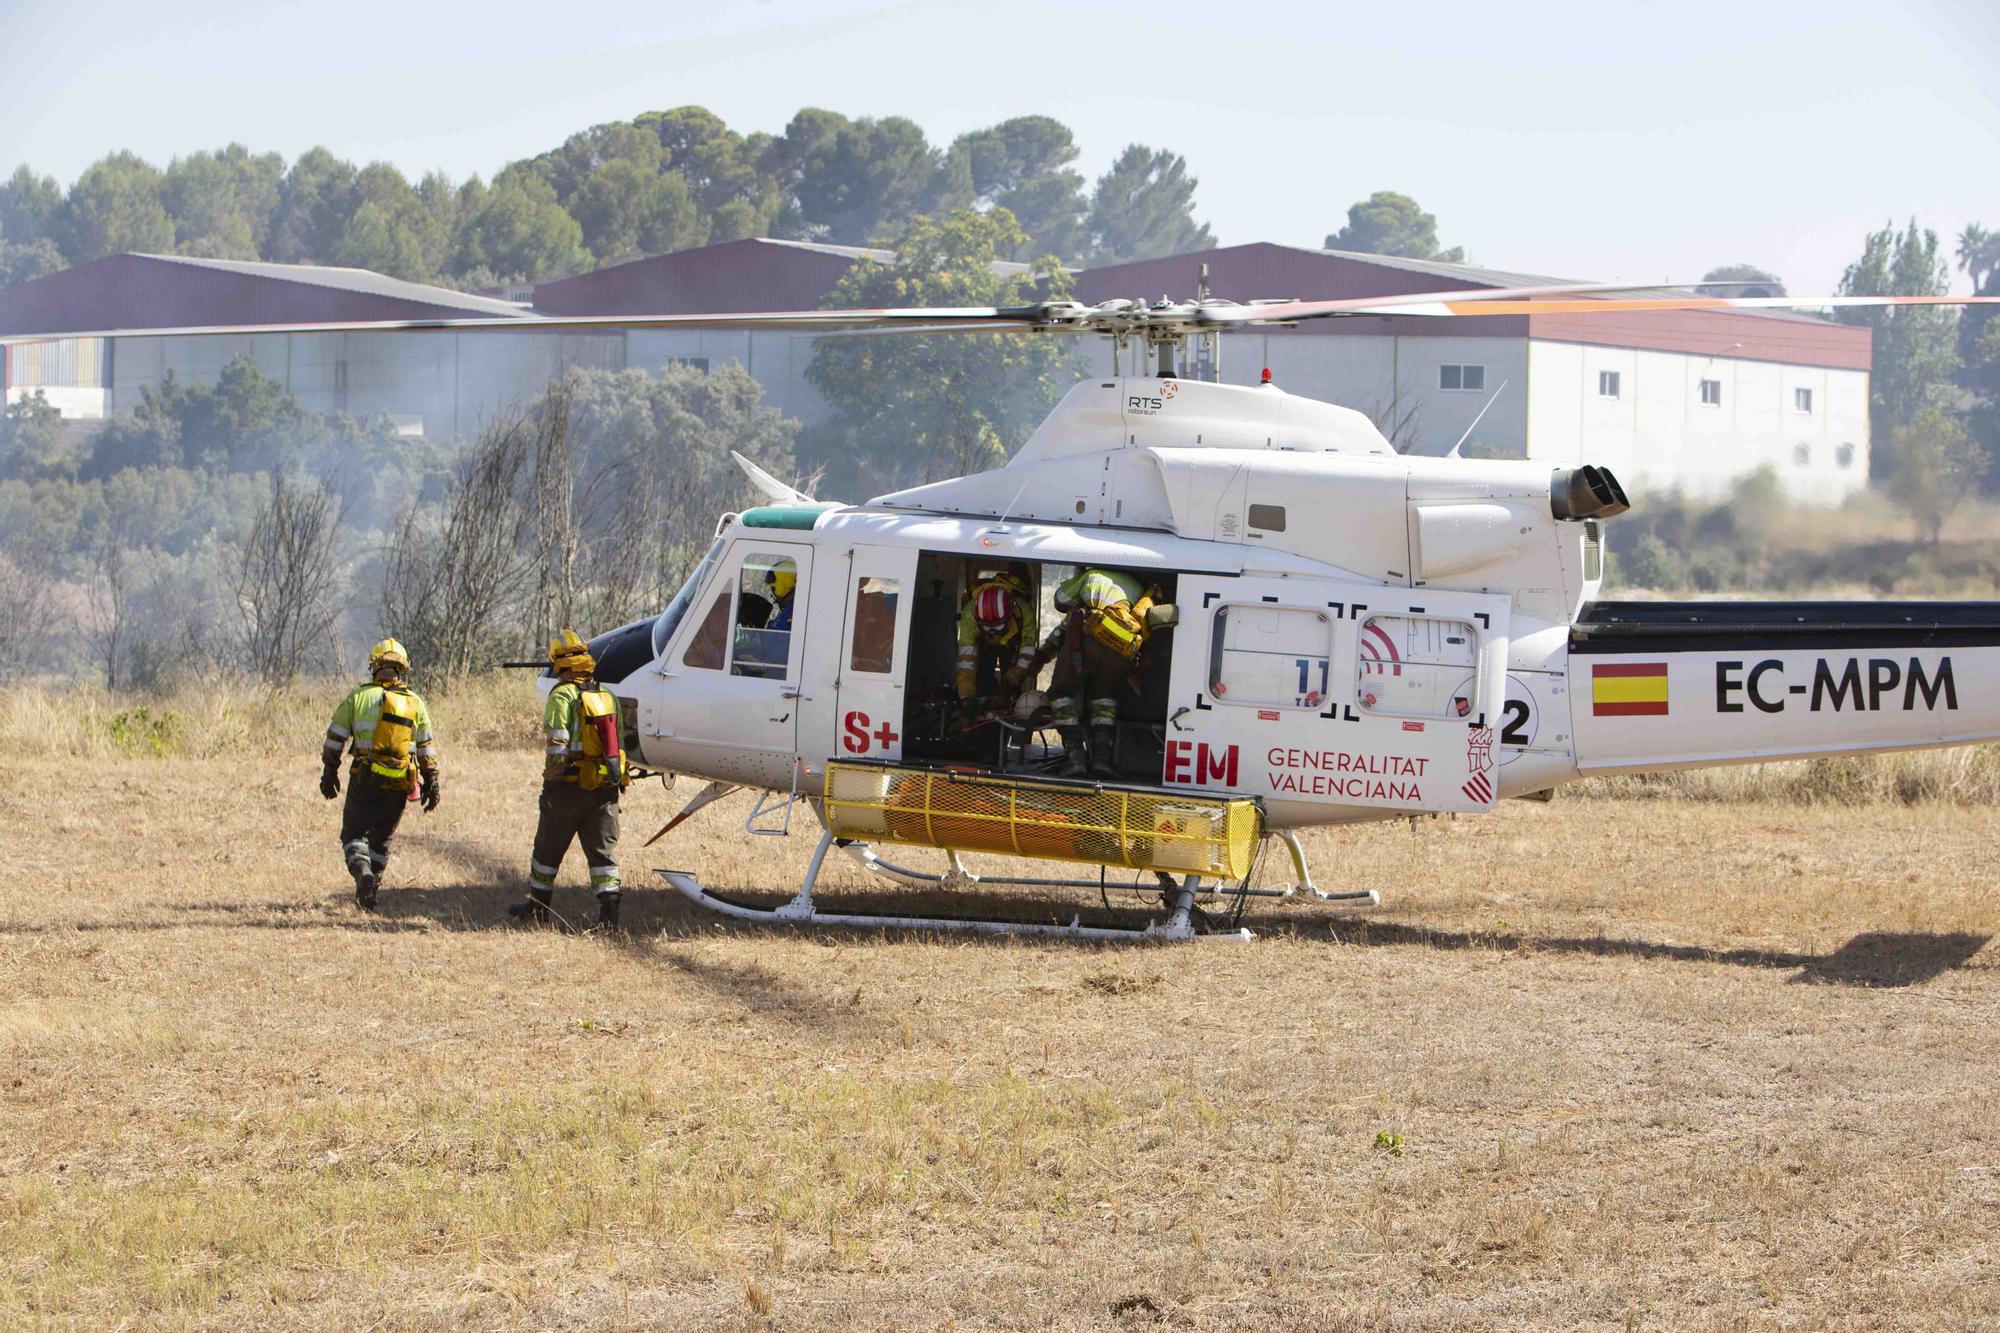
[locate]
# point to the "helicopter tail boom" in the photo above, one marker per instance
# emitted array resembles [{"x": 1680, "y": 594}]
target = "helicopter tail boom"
[{"x": 1657, "y": 685}]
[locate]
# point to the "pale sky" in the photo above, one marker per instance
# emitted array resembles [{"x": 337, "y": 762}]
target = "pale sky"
[{"x": 1616, "y": 141}]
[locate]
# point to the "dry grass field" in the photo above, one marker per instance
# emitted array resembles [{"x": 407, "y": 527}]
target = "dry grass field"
[{"x": 1658, "y": 1056}]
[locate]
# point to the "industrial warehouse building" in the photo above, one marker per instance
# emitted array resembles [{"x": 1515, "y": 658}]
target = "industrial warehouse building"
[{"x": 1689, "y": 400}]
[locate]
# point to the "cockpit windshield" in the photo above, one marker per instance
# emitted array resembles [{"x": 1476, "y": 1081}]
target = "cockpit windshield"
[{"x": 670, "y": 619}]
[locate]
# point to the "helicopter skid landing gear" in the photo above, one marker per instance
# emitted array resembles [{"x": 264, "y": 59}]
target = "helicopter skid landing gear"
[
  {"x": 1178, "y": 925},
  {"x": 1351, "y": 897}
]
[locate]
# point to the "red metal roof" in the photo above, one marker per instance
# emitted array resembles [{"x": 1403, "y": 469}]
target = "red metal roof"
[
  {"x": 167, "y": 291},
  {"x": 754, "y": 274}
]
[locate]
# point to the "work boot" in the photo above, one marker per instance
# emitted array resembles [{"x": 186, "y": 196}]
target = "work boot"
[
  {"x": 607, "y": 909},
  {"x": 365, "y": 884},
  {"x": 535, "y": 911},
  {"x": 1075, "y": 763},
  {"x": 1102, "y": 740}
]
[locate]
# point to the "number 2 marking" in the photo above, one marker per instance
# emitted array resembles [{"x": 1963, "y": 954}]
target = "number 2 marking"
[{"x": 1515, "y": 732}]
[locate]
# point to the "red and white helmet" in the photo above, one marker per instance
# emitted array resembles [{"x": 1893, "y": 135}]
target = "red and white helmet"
[{"x": 992, "y": 608}]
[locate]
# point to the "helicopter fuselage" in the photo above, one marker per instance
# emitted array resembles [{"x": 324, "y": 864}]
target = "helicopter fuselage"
[{"x": 1361, "y": 635}]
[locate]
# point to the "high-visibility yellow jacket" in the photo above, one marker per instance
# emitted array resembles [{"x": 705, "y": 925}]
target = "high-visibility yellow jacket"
[
  {"x": 354, "y": 725},
  {"x": 1092, "y": 588}
]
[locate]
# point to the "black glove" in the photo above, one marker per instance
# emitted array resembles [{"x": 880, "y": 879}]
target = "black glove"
[
  {"x": 431, "y": 792},
  {"x": 329, "y": 780}
]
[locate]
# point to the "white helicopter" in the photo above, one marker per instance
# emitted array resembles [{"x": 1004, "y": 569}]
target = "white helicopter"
[{"x": 1359, "y": 634}]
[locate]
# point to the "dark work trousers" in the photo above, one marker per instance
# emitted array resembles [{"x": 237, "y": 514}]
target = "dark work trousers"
[
  {"x": 1088, "y": 679},
  {"x": 367, "y": 821},
  {"x": 590, "y": 817}
]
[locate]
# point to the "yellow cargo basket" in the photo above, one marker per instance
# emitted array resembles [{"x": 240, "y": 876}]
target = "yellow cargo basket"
[{"x": 967, "y": 812}]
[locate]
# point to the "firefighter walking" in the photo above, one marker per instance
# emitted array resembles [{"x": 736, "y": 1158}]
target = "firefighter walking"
[
  {"x": 581, "y": 781},
  {"x": 386, "y": 726}
]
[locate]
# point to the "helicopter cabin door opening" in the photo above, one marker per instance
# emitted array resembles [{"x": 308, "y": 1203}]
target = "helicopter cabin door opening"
[
  {"x": 990, "y": 731},
  {"x": 737, "y": 667},
  {"x": 869, "y": 710}
]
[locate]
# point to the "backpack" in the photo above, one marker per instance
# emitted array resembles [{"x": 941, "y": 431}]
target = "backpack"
[
  {"x": 389, "y": 756},
  {"x": 603, "y": 761}
]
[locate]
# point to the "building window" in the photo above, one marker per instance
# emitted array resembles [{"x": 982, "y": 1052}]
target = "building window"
[
  {"x": 1711, "y": 393},
  {"x": 1844, "y": 455},
  {"x": 1802, "y": 399},
  {"x": 1802, "y": 455},
  {"x": 1471, "y": 378},
  {"x": 697, "y": 362},
  {"x": 1607, "y": 384}
]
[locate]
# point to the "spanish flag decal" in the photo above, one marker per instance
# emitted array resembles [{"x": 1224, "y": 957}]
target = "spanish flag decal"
[{"x": 1628, "y": 689}]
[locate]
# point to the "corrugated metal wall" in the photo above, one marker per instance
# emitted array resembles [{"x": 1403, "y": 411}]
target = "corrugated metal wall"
[{"x": 75, "y": 363}]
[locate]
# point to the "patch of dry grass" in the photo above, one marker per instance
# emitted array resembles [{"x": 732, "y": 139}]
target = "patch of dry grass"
[
  {"x": 1685, "y": 1062},
  {"x": 493, "y": 710}
]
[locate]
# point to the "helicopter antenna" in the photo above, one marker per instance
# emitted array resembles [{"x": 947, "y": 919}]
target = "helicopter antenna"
[{"x": 1476, "y": 420}]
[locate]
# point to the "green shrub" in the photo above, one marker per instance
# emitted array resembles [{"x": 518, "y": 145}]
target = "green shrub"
[{"x": 141, "y": 731}]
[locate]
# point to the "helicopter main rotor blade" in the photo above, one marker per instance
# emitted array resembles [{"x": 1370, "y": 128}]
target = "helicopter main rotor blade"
[
  {"x": 997, "y": 319},
  {"x": 1502, "y": 302}
]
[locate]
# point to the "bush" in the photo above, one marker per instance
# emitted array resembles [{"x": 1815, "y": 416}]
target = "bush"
[{"x": 1653, "y": 564}]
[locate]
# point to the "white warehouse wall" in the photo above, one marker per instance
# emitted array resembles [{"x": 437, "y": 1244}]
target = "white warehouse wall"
[{"x": 1658, "y": 435}]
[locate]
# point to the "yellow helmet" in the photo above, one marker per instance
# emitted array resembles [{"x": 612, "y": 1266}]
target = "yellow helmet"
[
  {"x": 388, "y": 655},
  {"x": 569, "y": 655},
  {"x": 783, "y": 580}
]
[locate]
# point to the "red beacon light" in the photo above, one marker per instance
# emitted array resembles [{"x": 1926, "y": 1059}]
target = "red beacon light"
[{"x": 1267, "y": 374}]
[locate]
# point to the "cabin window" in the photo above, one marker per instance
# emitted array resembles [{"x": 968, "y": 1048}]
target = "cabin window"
[
  {"x": 874, "y": 623},
  {"x": 1270, "y": 518},
  {"x": 766, "y": 589},
  {"x": 1607, "y": 384},
  {"x": 1270, "y": 656},
  {"x": 1711, "y": 393},
  {"x": 711, "y": 641},
  {"x": 1418, "y": 666},
  {"x": 1470, "y": 378}
]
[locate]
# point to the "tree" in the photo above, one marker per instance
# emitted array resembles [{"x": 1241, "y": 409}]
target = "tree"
[
  {"x": 1143, "y": 208},
  {"x": 1979, "y": 337},
  {"x": 25, "y": 263},
  {"x": 1740, "y": 280},
  {"x": 654, "y": 451},
  {"x": 315, "y": 201},
  {"x": 918, "y": 408},
  {"x": 31, "y": 443},
  {"x": 115, "y": 206},
  {"x": 1938, "y": 464},
  {"x": 286, "y": 581},
  {"x": 521, "y": 232},
  {"x": 451, "y": 580},
  {"x": 1915, "y": 355},
  {"x": 222, "y": 203},
  {"x": 30, "y": 207},
  {"x": 1023, "y": 166},
  {"x": 856, "y": 181},
  {"x": 1387, "y": 223}
]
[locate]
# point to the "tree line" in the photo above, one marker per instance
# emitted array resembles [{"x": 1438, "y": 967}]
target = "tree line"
[
  {"x": 225, "y": 531},
  {"x": 663, "y": 181}
]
